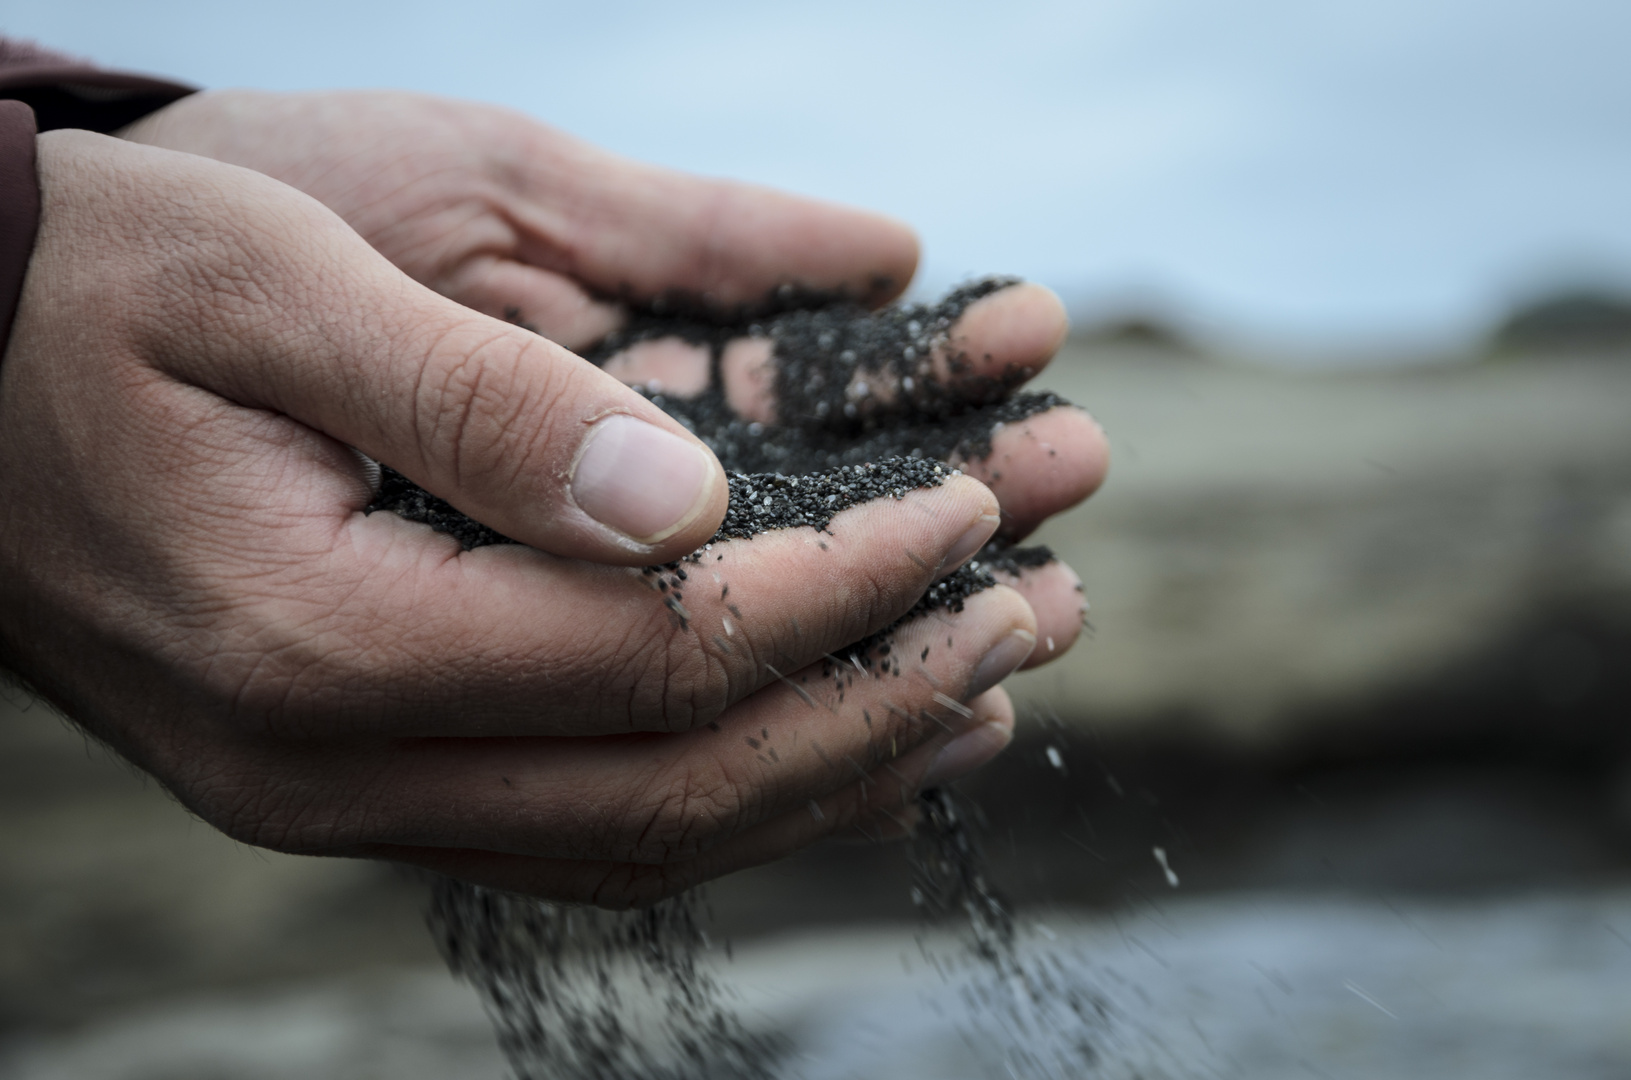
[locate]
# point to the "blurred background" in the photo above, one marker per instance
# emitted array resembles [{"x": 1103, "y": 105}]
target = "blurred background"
[{"x": 1352, "y": 289}]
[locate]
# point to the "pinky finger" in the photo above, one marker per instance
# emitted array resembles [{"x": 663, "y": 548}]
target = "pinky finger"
[
  {"x": 1055, "y": 594},
  {"x": 887, "y": 794}
]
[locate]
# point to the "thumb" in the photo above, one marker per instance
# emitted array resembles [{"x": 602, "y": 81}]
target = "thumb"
[
  {"x": 261, "y": 295},
  {"x": 521, "y": 435}
]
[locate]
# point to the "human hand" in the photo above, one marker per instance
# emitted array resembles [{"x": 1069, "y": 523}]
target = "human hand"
[
  {"x": 523, "y": 222},
  {"x": 186, "y": 570}
]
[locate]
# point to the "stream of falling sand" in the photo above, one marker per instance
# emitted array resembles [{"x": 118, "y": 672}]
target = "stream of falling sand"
[{"x": 577, "y": 993}]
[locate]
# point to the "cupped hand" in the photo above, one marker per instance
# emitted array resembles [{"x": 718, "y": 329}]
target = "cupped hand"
[
  {"x": 526, "y": 223},
  {"x": 187, "y": 570}
]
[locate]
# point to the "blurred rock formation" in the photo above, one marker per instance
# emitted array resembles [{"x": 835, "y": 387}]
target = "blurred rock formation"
[
  {"x": 1282, "y": 558},
  {"x": 1572, "y": 320}
]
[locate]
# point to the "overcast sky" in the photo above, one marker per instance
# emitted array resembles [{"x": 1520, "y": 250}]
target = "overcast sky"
[{"x": 1349, "y": 174}]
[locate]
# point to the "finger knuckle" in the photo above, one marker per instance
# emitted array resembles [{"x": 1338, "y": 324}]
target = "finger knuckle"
[
  {"x": 688, "y": 814},
  {"x": 670, "y": 682},
  {"x": 485, "y": 407}
]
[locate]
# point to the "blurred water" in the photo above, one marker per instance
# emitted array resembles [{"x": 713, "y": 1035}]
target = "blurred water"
[
  {"x": 1270, "y": 988},
  {"x": 1249, "y": 986}
]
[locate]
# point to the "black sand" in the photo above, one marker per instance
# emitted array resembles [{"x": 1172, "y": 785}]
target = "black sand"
[
  {"x": 576, "y": 993},
  {"x": 1039, "y": 1014}
]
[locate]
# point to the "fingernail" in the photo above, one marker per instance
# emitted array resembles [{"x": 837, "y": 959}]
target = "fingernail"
[
  {"x": 970, "y": 542},
  {"x": 1001, "y": 661},
  {"x": 644, "y": 482},
  {"x": 966, "y": 753}
]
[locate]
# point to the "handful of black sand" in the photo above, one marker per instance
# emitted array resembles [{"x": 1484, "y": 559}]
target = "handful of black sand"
[{"x": 580, "y": 993}]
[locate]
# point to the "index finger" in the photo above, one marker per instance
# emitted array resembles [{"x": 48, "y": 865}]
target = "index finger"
[{"x": 642, "y": 232}]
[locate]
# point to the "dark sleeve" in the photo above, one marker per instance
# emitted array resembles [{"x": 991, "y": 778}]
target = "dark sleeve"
[
  {"x": 67, "y": 92},
  {"x": 19, "y": 207},
  {"x": 44, "y": 91}
]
